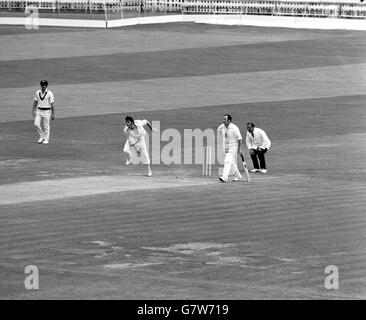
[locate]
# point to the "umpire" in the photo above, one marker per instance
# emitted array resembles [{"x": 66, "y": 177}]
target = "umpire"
[{"x": 258, "y": 144}]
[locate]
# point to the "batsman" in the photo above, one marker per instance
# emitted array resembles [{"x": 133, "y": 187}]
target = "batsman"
[{"x": 232, "y": 144}]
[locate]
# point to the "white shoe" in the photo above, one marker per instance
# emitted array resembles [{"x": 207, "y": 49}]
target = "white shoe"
[
  {"x": 45, "y": 141},
  {"x": 263, "y": 170},
  {"x": 222, "y": 179},
  {"x": 235, "y": 179},
  {"x": 149, "y": 174},
  {"x": 127, "y": 162},
  {"x": 40, "y": 140},
  {"x": 254, "y": 170}
]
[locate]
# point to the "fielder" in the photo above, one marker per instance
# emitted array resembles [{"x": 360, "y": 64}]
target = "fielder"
[
  {"x": 43, "y": 109},
  {"x": 232, "y": 141},
  {"x": 135, "y": 133}
]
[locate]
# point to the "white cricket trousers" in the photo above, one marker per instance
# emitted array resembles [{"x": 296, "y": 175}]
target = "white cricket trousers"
[
  {"x": 44, "y": 132},
  {"x": 140, "y": 146},
  {"x": 230, "y": 163}
]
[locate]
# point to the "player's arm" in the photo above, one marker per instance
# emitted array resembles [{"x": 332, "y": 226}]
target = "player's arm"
[
  {"x": 52, "y": 103},
  {"x": 34, "y": 107},
  {"x": 266, "y": 143},
  {"x": 240, "y": 148},
  {"x": 52, "y": 111},
  {"x": 126, "y": 131},
  {"x": 240, "y": 139},
  {"x": 150, "y": 126},
  {"x": 220, "y": 131},
  {"x": 248, "y": 143}
]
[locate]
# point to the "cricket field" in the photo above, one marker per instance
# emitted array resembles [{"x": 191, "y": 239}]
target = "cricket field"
[{"x": 98, "y": 229}]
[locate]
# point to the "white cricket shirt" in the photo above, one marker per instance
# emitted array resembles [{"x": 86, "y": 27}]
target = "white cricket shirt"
[
  {"x": 231, "y": 135},
  {"x": 45, "y": 99},
  {"x": 260, "y": 139},
  {"x": 137, "y": 134}
]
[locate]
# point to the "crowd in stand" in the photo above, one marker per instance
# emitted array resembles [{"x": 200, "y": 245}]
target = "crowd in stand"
[
  {"x": 345, "y": 9},
  {"x": 278, "y": 7}
]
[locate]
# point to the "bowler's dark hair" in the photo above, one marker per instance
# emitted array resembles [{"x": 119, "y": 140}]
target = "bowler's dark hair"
[
  {"x": 251, "y": 124},
  {"x": 129, "y": 119},
  {"x": 228, "y": 117}
]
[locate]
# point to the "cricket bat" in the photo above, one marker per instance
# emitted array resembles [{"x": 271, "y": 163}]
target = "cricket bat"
[{"x": 245, "y": 167}]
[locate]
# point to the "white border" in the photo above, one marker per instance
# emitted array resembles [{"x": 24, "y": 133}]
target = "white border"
[{"x": 222, "y": 19}]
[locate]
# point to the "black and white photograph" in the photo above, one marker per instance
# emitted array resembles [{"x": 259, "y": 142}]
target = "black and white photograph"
[{"x": 182, "y": 150}]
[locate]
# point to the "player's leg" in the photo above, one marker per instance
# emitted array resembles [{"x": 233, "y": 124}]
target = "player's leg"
[
  {"x": 149, "y": 172},
  {"x": 262, "y": 160},
  {"x": 228, "y": 162},
  {"x": 127, "y": 149},
  {"x": 46, "y": 124},
  {"x": 145, "y": 158},
  {"x": 237, "y": 172},
  {"x": 253, "y": 156},
  {"x": 37, "y": 124},
  {"x": 235, "y": 169}
]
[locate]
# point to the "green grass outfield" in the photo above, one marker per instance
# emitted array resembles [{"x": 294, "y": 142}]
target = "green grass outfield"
[{"x": 98, "y": 229}]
